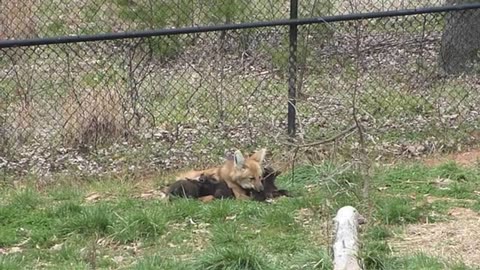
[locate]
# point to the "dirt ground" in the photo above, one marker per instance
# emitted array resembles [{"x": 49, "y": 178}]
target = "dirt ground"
[
  {"x": 468, "y": 158},
  {"x": 457, "y": 239}
]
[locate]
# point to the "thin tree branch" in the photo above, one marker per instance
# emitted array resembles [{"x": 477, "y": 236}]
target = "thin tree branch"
[
  {"x": 334, "y": 138},
  {"x": 358, "y": 125}
]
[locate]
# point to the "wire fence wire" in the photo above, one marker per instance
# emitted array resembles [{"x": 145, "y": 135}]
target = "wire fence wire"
[{"x": 174, "y": 101}]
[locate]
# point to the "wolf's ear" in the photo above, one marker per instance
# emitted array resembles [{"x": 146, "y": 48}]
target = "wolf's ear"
[
  {"x": 259, "y": 156},
  {"x": 238, "y": 159}
]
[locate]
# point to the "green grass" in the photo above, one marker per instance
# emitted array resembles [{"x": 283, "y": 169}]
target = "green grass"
[
  {"x": 398, "y": 210},
  {"x": 57, "y": 227},
  {"x": 233, "y": 258},
  {"x": 160, "y": 262},
  {"x": 418, "y": 179},
  {"x": 317, "y": 258},
  {"x": 12, "y": 262}
]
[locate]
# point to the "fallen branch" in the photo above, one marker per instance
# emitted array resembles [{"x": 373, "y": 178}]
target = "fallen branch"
[
  {"x": 334, "y": 138},
  {"x": 345, "y": 246}
]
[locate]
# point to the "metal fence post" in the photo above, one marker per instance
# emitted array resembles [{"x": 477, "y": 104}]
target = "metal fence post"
[{"x": 292, "y": 69}]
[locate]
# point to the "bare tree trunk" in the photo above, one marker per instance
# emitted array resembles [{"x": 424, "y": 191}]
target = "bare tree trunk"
[{"x": 460, "y": 40}]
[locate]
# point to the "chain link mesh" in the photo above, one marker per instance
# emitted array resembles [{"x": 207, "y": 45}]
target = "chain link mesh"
[
  {"x": 35, "y": 18},
  {"x": 174, "y": 101}
]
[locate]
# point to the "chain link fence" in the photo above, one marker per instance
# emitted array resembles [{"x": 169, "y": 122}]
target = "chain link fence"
[
  {"x": 35, "y": 18},
  {"x": 168, "y": 102}
]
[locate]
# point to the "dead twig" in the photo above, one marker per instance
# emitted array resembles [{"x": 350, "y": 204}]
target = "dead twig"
[
  {"x": 359, "y": 127},
  {"x": 331, "y": 139},
  {"x": 295, "y": 152},
  {"x": 92, "y": 253}
]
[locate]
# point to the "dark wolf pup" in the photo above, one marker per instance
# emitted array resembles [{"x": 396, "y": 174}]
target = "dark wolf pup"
[{"x": 203, "y": 187}]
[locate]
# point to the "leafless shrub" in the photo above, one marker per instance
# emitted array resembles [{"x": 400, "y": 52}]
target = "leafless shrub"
[
  {"x": 3, "y": 136},
  {"x": 16, "y": 19},
  {"x": 93, "y": 117},
  {"x": 20, "y": 126}
]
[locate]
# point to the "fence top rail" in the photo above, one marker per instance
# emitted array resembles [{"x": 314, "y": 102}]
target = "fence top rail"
[{"x": 225, "y": 27}]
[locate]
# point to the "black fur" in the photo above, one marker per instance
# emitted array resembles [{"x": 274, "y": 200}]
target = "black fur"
[
  {"x": 204, "y": 186},
  {"x": 270, "y": 191},
  {"x": 218, "y": 189},
  {"x": 184, "y": 188}
]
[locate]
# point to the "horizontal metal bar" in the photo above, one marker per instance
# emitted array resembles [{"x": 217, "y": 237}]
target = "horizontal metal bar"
[{"x": 225, "y": 27}]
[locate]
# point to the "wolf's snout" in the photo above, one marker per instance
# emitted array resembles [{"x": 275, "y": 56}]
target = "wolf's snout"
[{"x": 259, "y": 187}]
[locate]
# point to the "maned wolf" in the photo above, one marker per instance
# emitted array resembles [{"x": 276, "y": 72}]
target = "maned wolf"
[{"x": 239, "y": 173}]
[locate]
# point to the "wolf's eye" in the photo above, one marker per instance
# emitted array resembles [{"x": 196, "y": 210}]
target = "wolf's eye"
[{"x": 252, "y": 178}]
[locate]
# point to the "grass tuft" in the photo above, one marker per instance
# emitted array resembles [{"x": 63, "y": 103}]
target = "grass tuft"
[
  {"x": 143, "y": 224},
  {"x": 378, "y": 232},
  {"x": 375, "y": 254},
  {"x": 67, "y": 209},
  {"x": 160, "y": 262},
  {"x": 234, "y": 258},
  {"x": 453, "y": 171},
  {"x": 27, "y": 199},
  {"x": 11, "y": 262},
  {"x": 398, "y": 211},
  {"x": 313, "y": 259},
  {"x": 97, "y": 219}
]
